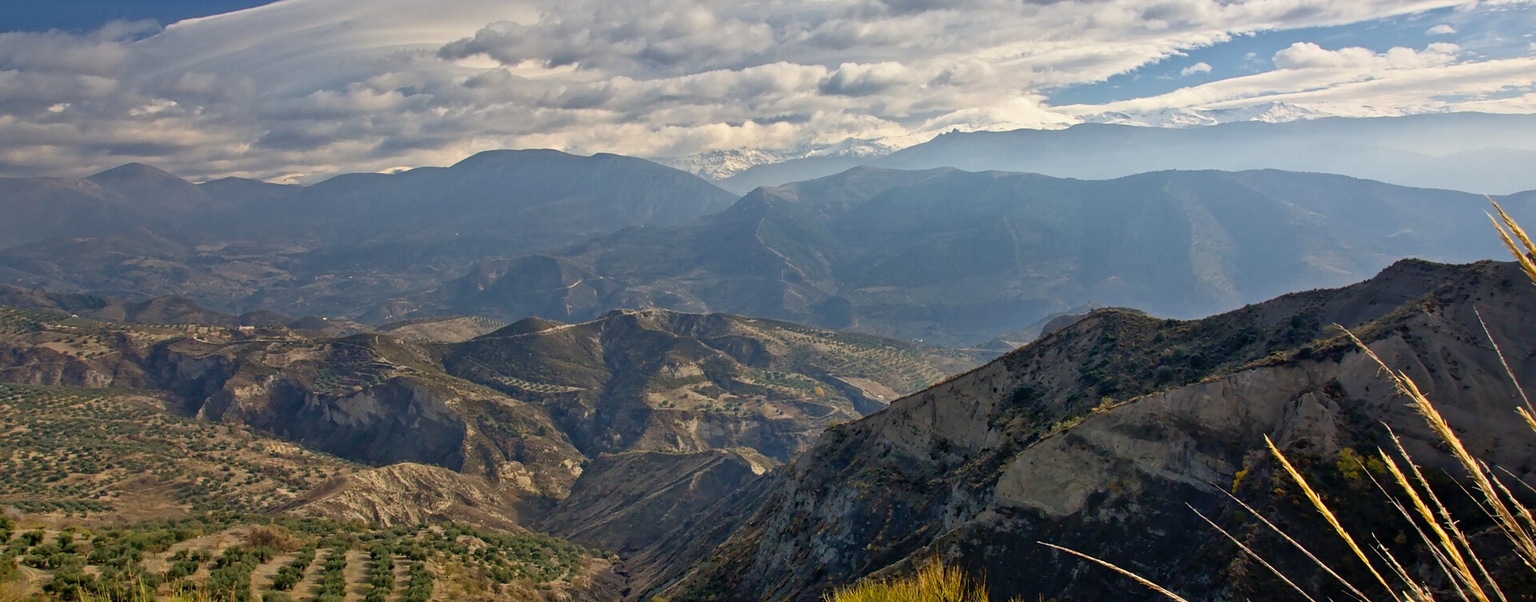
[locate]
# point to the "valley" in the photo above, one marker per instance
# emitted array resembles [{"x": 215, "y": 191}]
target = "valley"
[{"x": 609, "y": 433}]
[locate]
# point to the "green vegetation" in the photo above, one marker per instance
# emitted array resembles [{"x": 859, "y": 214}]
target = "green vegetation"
[
  {"x": 418, "y": 588},
  {"x": 76, "y": 453},
  {"x": 290, "y": 574},
  {"x": 381, "y": 574},
  {"x": 110, "y": 564},
  {"x": 333, "y": 583},
  {"x": 230, "y": 577}
]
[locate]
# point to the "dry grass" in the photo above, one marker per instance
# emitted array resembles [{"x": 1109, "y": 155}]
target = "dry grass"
[
  {"x": 1437, "y": 529},
  {"x": 935, "y": 582},
  {"x": 14, "y": 590}
]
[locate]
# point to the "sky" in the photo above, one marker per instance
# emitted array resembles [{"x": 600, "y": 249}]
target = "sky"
[
  {"x": 297, "y": 90},
  {"x": 89, "y": 15}
]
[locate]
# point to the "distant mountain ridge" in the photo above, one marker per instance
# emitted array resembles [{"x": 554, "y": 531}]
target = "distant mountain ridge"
[
  {"x": 958, "y": 258},
  {"x": 242, "y": 245},
  {"x": 1473, "y": 152}
]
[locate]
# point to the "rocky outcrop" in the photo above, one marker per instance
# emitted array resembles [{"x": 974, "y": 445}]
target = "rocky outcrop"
[
  {"x": 373, "y": 399},
  {"x": 1104, "y": 435}
]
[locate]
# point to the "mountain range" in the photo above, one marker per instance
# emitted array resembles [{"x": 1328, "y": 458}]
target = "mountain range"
[
  {"x": 957, "y": 258},
  {"x": 936, "y": 254},
  {"x": 1475, "y": 152}
]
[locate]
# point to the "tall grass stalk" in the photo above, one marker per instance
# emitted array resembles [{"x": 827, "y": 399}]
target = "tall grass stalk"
[{"x": 1437, "y": 528}]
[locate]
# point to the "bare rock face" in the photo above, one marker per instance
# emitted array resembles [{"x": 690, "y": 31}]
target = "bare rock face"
[
  {"x": 379, "y": 400},
  {"x": 410, "y": 494},
  {"x": 1106, "y": 435}
]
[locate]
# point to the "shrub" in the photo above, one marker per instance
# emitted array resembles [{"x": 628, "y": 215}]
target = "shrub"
[{"x": 934, "y": 582}]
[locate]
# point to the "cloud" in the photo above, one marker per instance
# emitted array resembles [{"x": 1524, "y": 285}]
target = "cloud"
[
  {"x": 1358, "y": 82},
  {"x": 1442, "y": 29},
  {"x": 1307, "y": 55},
  {"x": 864, "y": 80},
  {"x": 316, "y": 87},
  {"x": 1200, "y": 67}
]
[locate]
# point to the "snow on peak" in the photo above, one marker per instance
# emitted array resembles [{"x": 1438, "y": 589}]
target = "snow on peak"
[
  {"x": 722, "y": 164},
  {"x": 1269, "y": 112}
]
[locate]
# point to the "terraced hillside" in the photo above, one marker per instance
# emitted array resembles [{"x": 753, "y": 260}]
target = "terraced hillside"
[
  {"x": 230, "y": 558},
  {"x": 108, "y": 494}
]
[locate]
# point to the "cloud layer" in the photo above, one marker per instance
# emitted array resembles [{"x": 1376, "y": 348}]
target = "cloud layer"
[{"x": 305, "y": 88}]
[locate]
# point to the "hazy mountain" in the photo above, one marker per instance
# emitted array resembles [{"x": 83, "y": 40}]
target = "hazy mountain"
[
  {"x": 957, "y": 258},
  {"x": 39, "y": 208},
  {"x": 525, "y": 199},
  {"x": 1473, "y": 152},
  {"x": 1098, "y": 435},
  {"x": 334, "y": 247}
]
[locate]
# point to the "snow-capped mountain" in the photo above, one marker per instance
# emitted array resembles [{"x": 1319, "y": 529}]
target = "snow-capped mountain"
[
  {"x": 722, "y": 164},
  {"x": 1270, "y": 112}
]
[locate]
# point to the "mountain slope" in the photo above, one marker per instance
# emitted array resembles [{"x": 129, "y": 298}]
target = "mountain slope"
[
  {"x": 957, "y": 258},
  {"x": 1098, "y": 435},
  {"x": 39, "y": 208},
  {"x": 664, "y": 381}
]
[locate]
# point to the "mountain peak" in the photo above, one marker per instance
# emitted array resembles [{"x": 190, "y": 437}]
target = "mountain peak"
[
  {"x": 151, "y": 189},
  {"x": 132, "y": 171},
  {"x": 493, "y": 157}
]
